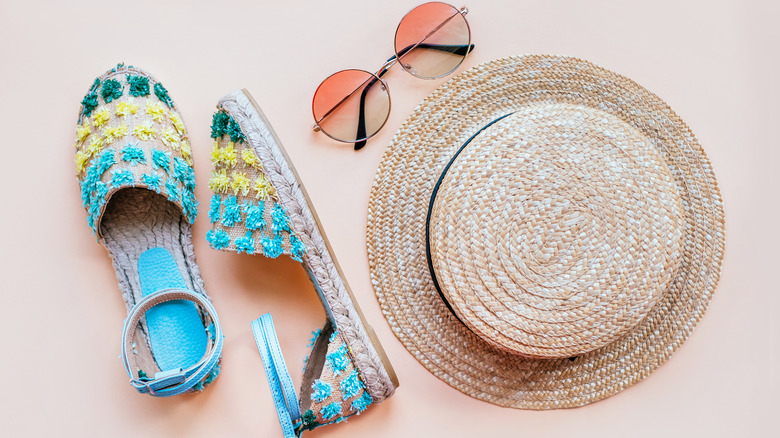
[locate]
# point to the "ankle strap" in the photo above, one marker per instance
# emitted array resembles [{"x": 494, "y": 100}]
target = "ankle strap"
[
  {"x": 279, "y": 380},
  {"x": 167, "y": 383}
]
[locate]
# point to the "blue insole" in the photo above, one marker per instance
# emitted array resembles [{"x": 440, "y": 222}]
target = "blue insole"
[{"x": 176, "y": 333}]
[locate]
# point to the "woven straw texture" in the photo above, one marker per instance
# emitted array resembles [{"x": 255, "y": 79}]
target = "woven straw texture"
[
  {"x": 578, "y": 240},
  {"x": 559, "y": 268}
]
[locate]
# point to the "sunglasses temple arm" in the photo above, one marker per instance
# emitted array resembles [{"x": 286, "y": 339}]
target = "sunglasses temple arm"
[{"x": 361, "y": 128}]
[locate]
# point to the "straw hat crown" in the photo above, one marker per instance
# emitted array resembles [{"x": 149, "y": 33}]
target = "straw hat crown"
[{"x": 555, "y": 231}]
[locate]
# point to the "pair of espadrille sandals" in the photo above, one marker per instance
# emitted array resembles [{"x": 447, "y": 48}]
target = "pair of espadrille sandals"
[{"x": 134, "y": 165}]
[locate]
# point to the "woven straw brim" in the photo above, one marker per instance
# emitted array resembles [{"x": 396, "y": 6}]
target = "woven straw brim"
[{"x": 399, "y": 203}]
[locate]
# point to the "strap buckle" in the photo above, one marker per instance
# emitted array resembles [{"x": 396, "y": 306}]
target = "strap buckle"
[
  {"x": 175, "y": 381},
  {"x": 162, "y": 380}
]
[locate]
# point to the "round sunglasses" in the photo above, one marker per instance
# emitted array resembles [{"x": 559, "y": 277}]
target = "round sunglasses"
[{"x": 431, "y": 41}]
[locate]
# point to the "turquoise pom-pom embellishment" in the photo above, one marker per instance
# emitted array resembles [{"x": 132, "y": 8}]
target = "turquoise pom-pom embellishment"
[
  {"x": 152, "y": 181},
  {"x": 330, "y": 411},
  {"x": 279, "y": 219},
  {"x": 254, "y": 216},
  {"x": 121, "y": 177},
  {"x": 183, "y": 172},
  {"x": 214, "y": 207},
  {"x": 362, "y": 403},
  {"x": 232, "y": 213},
  {"x": 245, "y": 244},
  {"x": 172, "y": 189},
  {"x": 321, "y": 391},
  {"x": 106, "y": 159},
  {"x": 218, "y": 239},
  {"x": 272, "y": 246},
  {"x": 297, "y": 249},
  {"x": 133, "y": 154},
  {"x": 338, "y": 360},
  {"x": 351, "y": 385},
  {"x": 161, "y": 160},
  {"x": 189, "y": 205}
]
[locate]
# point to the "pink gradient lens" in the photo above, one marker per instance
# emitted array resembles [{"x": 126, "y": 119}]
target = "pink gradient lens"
[
  {"x": 351, "y": 105},
  {"x": 432, "y": 40}
]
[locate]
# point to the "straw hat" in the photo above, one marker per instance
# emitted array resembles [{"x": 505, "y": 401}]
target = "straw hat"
[{"x": 543, "y": 233}]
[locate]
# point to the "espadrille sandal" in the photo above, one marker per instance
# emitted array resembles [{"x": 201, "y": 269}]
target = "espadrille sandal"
[
  {"x": 135, "y": 170},
  {"x": 259, "y": 207}
]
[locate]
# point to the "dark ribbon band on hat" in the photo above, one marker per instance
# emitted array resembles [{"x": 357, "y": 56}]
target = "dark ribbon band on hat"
[{"x": 430, "y": 209}]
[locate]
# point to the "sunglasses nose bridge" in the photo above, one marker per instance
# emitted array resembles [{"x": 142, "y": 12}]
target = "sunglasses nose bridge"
[{"x": 386, "y": 66}]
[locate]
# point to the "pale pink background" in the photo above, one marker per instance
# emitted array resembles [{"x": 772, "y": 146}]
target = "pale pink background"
[{"x": 714, "y": 62}]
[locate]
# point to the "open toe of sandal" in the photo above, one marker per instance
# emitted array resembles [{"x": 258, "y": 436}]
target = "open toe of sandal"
[
  {"x": 134, "y": 166},
  {"x": 259, "y": 207}
]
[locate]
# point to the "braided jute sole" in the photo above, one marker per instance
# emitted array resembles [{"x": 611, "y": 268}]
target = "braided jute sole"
[{"x": 340, "y": 304}]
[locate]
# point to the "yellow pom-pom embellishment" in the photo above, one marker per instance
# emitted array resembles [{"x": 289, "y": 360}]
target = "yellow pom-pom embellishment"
[
  {"x": 177, "y": 122},
  {"x": 156, "y": 111},
  {"x": 225, "y": 155},
  {"x": 186, "y": 151},
  {"x": 228, "y": 155},
  {"x": 215, "y": 154},
  {"x": 82, "y": 158},
  {"x": 111, "y": 133},
  {"x": 82, "y": 132},
  {"x": 249, "y": 157},
  {"x": 170, "y": 138},
  {"x": 126, "y": 107},
  {"x": 219, "y": 182},
  {"x": 263, "y": 188},
  {"x": 95, "y": 146},
  {"x": 144, "y": 131},
  {"x": 241, "y": 183},
  {"x": 101, "y": 117}
]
